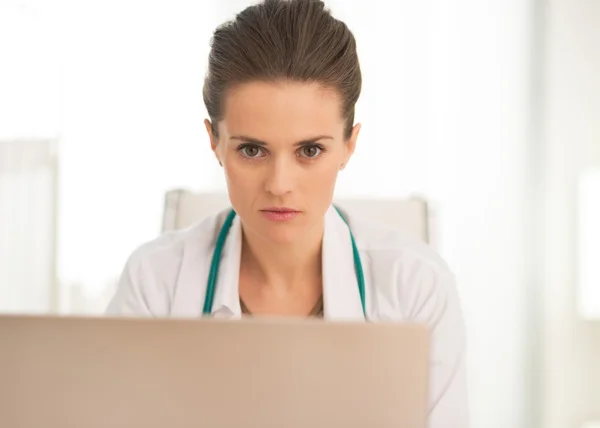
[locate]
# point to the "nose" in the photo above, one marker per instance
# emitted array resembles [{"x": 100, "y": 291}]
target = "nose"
[{"x": 279, "y": 179}]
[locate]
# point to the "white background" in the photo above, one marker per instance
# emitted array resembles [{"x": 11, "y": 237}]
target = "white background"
[{"x": 450, "y": 110}]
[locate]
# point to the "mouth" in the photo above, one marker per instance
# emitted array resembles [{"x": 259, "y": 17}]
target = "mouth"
[
  {"x": 280, "y": 210},
  {"x": 280, "y": 213}
]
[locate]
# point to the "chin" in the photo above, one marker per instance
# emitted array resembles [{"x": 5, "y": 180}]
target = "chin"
[{"x": 281, "y": 235}]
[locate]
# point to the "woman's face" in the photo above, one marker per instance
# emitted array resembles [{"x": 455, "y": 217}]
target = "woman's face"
[{"x": 282, "y": 146}]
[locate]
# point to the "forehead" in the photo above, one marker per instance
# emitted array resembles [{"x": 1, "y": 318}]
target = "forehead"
[{"x": 282, "y": 111}]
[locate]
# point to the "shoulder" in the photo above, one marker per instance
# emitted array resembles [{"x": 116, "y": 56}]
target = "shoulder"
[
  {"x": 394, "y": 245},
  {"x": 148, "y": 281},
  {"x": 169, "y": 248},
  {"x": 410, "y": 279}
]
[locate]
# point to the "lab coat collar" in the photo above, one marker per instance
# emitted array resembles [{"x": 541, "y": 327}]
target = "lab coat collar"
[{"x": 341, "y": 297}]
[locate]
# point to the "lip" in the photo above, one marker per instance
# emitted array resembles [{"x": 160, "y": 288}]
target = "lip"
[
  {"x": 280, "y": 214},
  {"x": 281, "y": 210}
]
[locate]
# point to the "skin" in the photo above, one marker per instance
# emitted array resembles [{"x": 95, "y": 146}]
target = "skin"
[{"x": 281, "y": 144}]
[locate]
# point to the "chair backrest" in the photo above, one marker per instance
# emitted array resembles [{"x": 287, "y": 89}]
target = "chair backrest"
[{"x": 183, "y": 208}]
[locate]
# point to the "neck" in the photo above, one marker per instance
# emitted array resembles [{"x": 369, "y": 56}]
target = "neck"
[{"x": 283, "y": 267}]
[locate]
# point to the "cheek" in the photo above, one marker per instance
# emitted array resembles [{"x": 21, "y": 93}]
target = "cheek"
[
  {"x": 239, "y": 187},
  {"x": 320, "y": 183},
  {"x": 238, "y": 180}
]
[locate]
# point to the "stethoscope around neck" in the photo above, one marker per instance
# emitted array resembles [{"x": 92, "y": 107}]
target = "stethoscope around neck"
[{"x": 211, "y": 284}]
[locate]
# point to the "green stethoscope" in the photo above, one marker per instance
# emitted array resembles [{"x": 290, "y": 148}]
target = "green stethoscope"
[{"x": 211, "y": 286}]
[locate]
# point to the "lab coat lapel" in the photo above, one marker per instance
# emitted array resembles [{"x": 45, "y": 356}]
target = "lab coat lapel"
[
  {"x": 227, "y": 298},
  {"x": 340, "y": 287}
]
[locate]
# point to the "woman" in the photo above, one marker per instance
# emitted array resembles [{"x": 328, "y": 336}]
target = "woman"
[{"x": 282, "y": 83}]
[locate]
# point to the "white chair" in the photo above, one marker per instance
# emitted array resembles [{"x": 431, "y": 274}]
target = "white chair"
[{"x": 183, "y": 208}]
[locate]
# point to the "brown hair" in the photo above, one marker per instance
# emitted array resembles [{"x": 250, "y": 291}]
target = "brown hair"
[{"x": 297, "y": 40}]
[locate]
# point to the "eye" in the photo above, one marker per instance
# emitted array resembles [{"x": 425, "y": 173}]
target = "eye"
[
  {"x": 251, "y": 151},
  {"x": 311, "y": 151}
]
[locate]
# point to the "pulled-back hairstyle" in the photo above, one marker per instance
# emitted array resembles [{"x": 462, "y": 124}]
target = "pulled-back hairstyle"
[{"x": 296, "y": 40}]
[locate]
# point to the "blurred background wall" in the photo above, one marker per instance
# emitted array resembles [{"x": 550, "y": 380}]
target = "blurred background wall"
[
  {"x": 488, "y": 109},
  {"x": 570, "y": 352}
]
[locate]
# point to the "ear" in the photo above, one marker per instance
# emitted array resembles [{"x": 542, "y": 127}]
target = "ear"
[
  {"x": 214, "y": 141},
  {"x": 351, "y": 145}
]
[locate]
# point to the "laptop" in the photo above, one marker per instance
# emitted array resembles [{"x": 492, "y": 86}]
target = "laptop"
[{"x": 62, "y": 372}]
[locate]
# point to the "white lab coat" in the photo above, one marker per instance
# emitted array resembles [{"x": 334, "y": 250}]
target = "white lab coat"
[{"x": 404, "y": 280}]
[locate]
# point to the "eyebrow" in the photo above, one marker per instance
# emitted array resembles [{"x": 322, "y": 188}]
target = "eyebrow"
[{"x": 304, "y": 142}]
